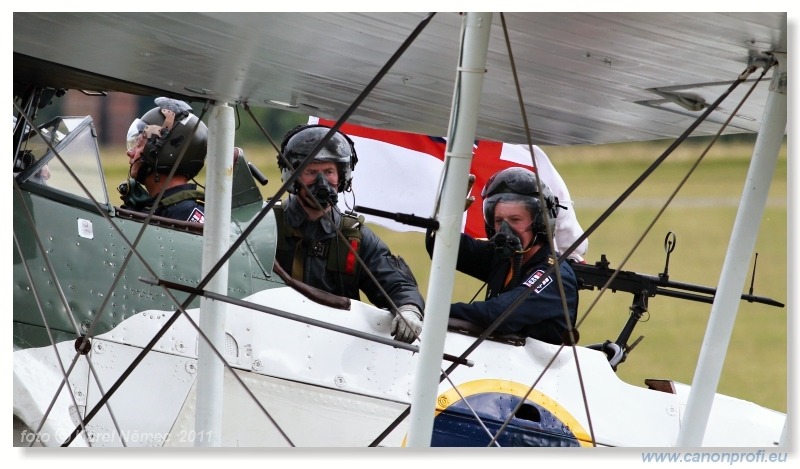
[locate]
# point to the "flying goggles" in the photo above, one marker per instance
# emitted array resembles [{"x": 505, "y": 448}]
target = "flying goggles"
[{"x": 140, "y": 129}]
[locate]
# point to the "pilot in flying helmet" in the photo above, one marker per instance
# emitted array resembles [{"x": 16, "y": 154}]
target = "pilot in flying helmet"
[
  {"x": 166, "y": 137},
  {"x": 298, "y": 144},
  {"x": 510, "y": 234}
]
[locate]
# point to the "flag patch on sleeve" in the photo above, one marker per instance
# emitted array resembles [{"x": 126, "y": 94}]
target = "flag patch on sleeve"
[
  {"x": 535, "y": 277},
  {"x": 197, "y": 216}
]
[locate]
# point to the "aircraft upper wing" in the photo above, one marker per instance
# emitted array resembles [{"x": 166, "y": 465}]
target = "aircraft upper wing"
[{"x": 585, "y": 77}]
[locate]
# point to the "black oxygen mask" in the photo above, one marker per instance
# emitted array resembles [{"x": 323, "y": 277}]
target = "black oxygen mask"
[
  {"x": 323, "y": 191},
  {"x": 134, "y": 195},
  {"x": 505, "y": 241}
]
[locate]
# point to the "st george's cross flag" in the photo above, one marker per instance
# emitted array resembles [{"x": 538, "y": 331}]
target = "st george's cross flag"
[{"x": 400, "y": 172}]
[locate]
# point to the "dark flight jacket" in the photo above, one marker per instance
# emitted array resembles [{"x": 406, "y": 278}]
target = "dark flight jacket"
[
  {"x": 312, "y": 253},
  {"x": 539, "y": 316},
  {"x": 183, "y": 202}
]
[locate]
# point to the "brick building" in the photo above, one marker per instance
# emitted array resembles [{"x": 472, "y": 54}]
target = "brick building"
[{"x": 112, "y": 113}]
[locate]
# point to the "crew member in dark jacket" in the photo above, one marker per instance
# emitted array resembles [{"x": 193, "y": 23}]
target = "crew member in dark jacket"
[
  {"x": 155, "y": 142},
  {"x": 309, "y": 248},
  {"x": 515, "y": 258}
]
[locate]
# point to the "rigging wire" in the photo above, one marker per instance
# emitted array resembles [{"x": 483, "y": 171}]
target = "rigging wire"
[
  {"x": 576, "y": 243},
  {"x": 80, "y": 340},
  {"x": 673, "y": 194},
  {"x": 563, "y": 256},
  {"x": 489, "y": 330},
  {"x": 445, "y": 374},
  {"x": 656, "y": 218},
  {"x": 64, "y": 373},
  {"x": 472, "y": 410},
  {"x": 333, "y": 129},
  {"x": 327, "y": 215},
  {"x": 46, "y": 257},
  {"x": 252, "y": 226},
  {"x": 181, "y": 308},
  {"x": 525, "y": 397},
  {"x": 559, "y": 281},
  {"x": 611, "y": 209},
  {"x": 294, "y": 317}
]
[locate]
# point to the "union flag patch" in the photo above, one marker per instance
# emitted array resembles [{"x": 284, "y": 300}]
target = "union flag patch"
[
  {"x": 197, "y": 216},
  {"x": 535, "y": 277}
]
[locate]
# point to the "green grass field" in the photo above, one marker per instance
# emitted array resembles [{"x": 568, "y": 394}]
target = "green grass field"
[{"x": 701, "y": 216}]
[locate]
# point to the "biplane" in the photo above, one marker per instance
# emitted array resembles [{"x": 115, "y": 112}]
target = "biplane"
[{"x": 109, "y": 345}]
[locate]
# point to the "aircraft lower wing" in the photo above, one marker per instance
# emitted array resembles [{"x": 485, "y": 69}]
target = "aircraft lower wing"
[{"x": 317, "y": 388}]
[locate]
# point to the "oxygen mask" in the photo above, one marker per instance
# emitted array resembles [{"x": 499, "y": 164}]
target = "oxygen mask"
[
  {"x": 505, "y": 242},
  {"x": 134, "y": 195},
  {"x": 323, "y": 191}
]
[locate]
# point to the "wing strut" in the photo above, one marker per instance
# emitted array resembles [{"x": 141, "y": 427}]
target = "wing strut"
[
  {"x": 737, "y": 258},
  {"x": 216, "y": 240},
  {"x": 458, "y": 157}
]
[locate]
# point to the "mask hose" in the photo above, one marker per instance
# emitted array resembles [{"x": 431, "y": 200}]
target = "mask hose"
[
  {"x": 507, "y": 245},
  {"x": 134, "y": 195}
]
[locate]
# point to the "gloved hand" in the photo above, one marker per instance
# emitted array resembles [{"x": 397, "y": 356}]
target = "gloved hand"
[{"x": 407, "y": 324}]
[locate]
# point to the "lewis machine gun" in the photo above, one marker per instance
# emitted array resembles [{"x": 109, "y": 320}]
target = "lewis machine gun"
[{"x": 643, "y": 287}]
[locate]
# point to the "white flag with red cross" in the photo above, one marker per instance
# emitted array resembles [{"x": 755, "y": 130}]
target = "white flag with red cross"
[{"x": 400, "y": 172}]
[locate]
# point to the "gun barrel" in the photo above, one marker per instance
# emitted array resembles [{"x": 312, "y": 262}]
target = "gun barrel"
[
  {"x": 592, "y": 276},
  {"x": 713, "y": 291},
  {"x": 408, "y": 219}
]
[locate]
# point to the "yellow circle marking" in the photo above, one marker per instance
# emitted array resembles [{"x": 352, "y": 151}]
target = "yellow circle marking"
[{"x": 483, "y": 386}]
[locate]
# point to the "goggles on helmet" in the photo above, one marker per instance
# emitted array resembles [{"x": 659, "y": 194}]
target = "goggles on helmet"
[
  {"x": 140, "y": 128},
  {"x": 302, "y": 140},
  {"x": 521, "y": 184},
  {"x": 135, "y": 133}
]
